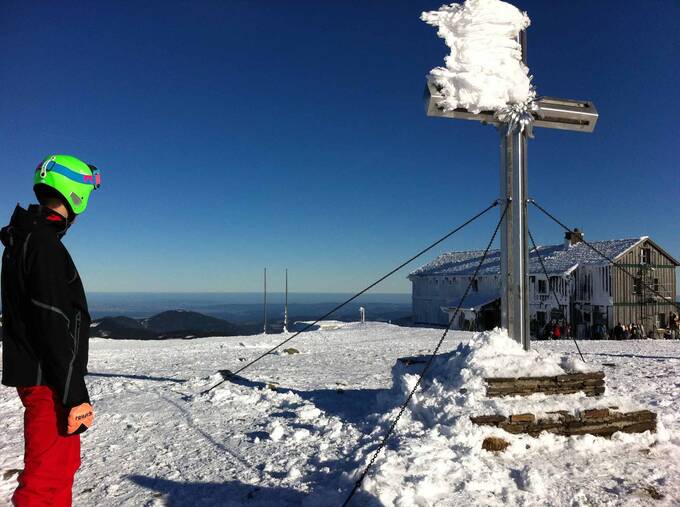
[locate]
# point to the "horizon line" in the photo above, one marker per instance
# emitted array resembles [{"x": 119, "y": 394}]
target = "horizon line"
[{"x": 232, "y": 292}]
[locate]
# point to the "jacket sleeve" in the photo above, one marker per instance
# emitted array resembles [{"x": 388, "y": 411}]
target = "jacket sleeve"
[{"x": 55, "y": 322}]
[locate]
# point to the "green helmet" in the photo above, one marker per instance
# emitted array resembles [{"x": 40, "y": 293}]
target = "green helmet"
[{"x": 72, "y": 179}]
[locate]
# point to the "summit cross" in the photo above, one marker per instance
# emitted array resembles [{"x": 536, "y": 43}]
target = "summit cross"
[{"x": 553, "y": 113}]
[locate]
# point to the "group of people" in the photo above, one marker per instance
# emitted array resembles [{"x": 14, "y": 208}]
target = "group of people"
[
  {"x": 635, "y": 330},
  {"x": 632, "y": 331},
  {"x": 556, "y": 329},
  {"x": 674, "y": 325}
]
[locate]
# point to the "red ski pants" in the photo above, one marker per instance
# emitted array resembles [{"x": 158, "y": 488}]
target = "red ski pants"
[{"x": 51, "y": 458}]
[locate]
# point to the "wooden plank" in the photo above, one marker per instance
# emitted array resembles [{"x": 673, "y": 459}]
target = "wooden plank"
[
  {"x": 601, "y": 421},
  {"x": 591, "y": 383}
]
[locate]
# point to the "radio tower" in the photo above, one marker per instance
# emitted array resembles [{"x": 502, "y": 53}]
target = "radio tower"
[
  {"x": 265, "y": 300},
  {"x": 285, "y": 308}
]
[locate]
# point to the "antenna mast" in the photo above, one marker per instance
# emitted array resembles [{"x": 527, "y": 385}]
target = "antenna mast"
[
  {"x": 265, "y": 300},
  {"x": 285, "y": 310}
]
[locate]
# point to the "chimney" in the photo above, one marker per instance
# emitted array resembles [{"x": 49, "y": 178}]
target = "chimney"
[{"x": 572, "y": 238}]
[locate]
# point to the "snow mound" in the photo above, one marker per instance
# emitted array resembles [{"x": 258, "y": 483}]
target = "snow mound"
[
  {"x": 484, "y": 70},
  {"x": 456, "y": 380},
  {"x": 495, "y": 354},
  {"x": 435, "y": 444}
]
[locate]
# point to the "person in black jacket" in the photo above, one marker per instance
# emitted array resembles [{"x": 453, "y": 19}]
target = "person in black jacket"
[{"x": 45, "y": 323}]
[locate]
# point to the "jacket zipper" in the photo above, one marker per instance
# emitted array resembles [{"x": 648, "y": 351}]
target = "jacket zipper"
[{"x": 76, "y": 339}]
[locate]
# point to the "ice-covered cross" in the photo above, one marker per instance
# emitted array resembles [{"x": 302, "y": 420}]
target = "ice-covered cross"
[{"x": 485, "y": 78}]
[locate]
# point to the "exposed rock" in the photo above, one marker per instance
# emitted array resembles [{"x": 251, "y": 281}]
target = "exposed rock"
[{"x": 495, "y": 444}]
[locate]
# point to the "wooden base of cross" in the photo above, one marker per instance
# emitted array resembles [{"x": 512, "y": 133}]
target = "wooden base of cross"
[{"x": 603, "y": 421}]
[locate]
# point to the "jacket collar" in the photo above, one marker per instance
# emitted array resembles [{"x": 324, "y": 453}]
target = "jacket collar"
[
  {"x": 34, "y": 218},
  {"x": 51, "y": 218}
]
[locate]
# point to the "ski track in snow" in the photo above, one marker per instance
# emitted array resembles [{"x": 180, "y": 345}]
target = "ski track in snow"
[{"x": 244, "y": 444}]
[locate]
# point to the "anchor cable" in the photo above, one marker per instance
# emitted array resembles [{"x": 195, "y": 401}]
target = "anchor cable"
[
  {"x": 309, "y": 326},
  {"x": 557, "y": 300},
  {"x": 427, "y": 366}
]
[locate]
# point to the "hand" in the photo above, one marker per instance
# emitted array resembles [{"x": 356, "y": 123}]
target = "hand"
[{"x": 79, "y": 419}]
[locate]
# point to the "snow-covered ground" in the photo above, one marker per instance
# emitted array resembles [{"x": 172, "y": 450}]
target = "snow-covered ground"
[{"x": 156, "y": 442}]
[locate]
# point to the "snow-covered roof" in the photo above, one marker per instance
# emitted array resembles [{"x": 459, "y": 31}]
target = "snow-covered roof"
[{"x": 558, "y": 259}]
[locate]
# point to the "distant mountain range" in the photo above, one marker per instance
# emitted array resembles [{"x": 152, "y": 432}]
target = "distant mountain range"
[
  {"x": 192, "y": 324},
  {"x": 170, "y": 324},
  {"x": 234, "y": 319}
]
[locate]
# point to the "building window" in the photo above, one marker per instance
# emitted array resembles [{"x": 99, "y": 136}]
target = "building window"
[
  {"x": 542, "y": 287},
  {"x": 646, "y": 256},
  {"x": 637, "y": 285},
  {"x": 656, "y": 284}
]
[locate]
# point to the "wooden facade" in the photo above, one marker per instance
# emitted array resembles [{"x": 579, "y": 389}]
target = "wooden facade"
[{"x": 632, "y": 298}]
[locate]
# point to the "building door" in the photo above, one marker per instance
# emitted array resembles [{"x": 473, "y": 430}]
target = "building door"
[{"x": 540, "y": 324}]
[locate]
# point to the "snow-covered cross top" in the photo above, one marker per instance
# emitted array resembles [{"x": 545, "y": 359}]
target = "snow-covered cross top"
[{"x": 486, "y": 79}]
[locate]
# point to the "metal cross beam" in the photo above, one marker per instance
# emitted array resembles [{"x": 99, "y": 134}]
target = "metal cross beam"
[
  {"x": 552, "y": 113},
  {"x": 564, "y": 114}
]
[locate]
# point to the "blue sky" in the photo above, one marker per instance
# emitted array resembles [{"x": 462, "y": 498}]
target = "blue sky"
[{"x": 236, "y": 135}]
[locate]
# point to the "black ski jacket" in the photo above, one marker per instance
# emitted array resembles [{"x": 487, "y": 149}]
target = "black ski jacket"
[{"x": 45, "y": 319}]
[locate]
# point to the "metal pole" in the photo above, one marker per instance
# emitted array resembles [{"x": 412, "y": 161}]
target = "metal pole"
[
  {"x": 514, "y": 236},
  {"x": 506, "y": 231},
  {"x": 265, "y": 300},
  {"x": 285, "y": 311},
  {"x": 520, "y": 246},
  {"x": 514, "y": 243}
]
